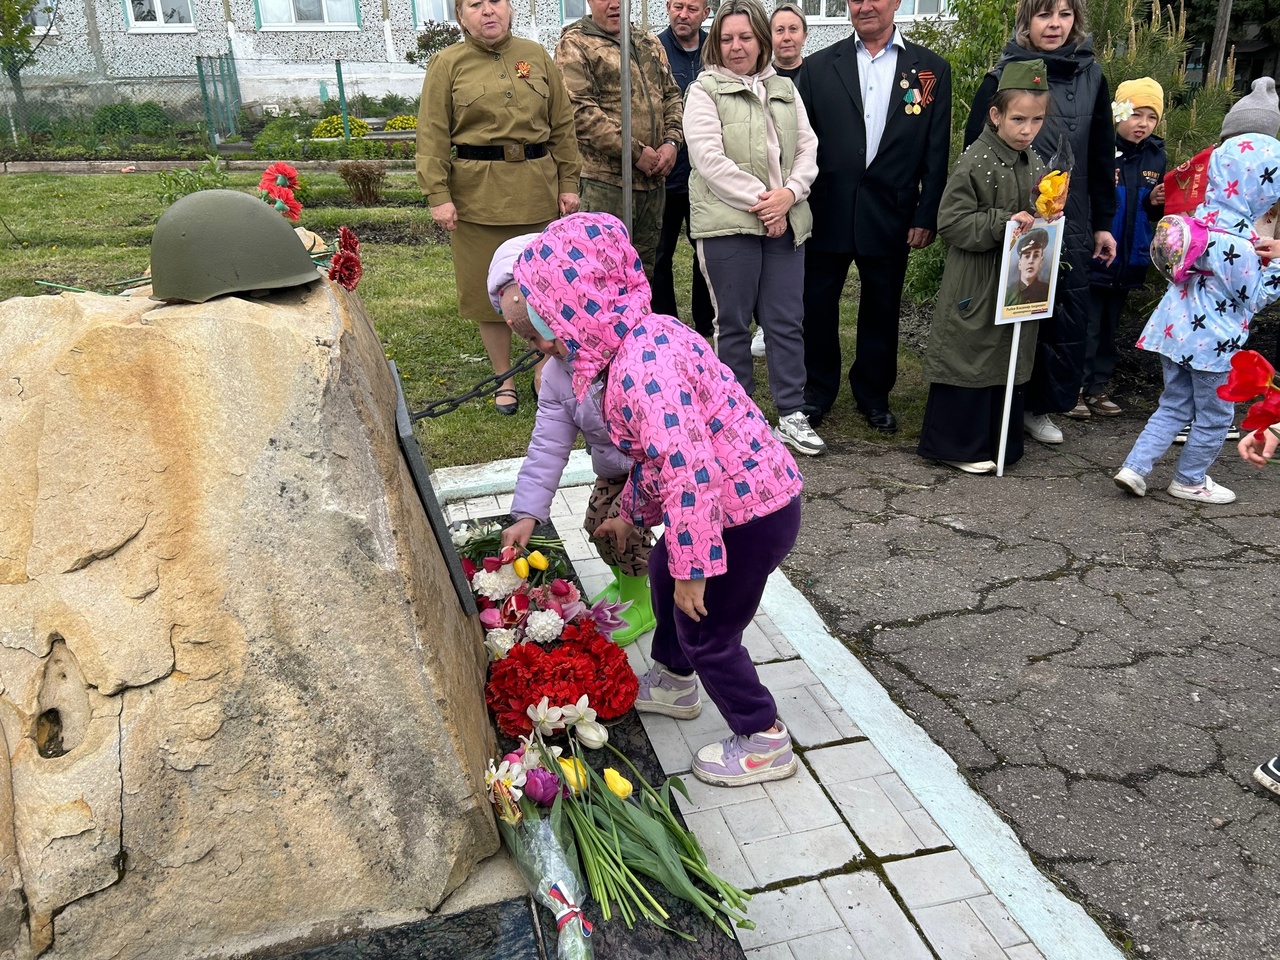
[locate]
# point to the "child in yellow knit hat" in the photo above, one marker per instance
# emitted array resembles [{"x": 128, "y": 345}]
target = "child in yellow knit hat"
[{"x": 1140, "y": 163}]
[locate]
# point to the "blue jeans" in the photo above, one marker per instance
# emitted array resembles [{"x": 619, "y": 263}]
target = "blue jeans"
[{"x": 1190, "y": 396}]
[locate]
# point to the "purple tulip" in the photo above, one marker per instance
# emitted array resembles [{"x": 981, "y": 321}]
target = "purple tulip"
[
  {"x": 608, "y": 615},
  {"x": 541, "y": 786}
]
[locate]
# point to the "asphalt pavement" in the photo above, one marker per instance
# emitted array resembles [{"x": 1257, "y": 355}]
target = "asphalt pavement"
[{"x": 1104, "y": 669}]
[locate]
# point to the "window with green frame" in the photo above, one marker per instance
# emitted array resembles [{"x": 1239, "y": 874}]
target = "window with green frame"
[{"x": 307, "y": 13}]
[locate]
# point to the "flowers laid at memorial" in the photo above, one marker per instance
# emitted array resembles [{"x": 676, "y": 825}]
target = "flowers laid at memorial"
[
  {"x": 555, "y": 673},
  {"x": 345, "y": 269}
]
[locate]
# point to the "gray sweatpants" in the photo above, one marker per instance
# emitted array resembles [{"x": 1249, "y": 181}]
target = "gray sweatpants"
[{"x": 762, "y": 276}]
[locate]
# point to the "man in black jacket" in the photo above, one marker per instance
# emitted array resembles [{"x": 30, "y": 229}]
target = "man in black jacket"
[{"x": 881, "y": 108}]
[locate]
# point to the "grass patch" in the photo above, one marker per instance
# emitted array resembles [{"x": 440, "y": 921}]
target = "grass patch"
[{"x": 92, "y": 230}]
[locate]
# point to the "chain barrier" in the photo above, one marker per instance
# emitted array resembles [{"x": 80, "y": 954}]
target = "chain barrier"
[{"x": 484, "y": 388}]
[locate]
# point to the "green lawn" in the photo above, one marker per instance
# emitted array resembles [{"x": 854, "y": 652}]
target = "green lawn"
[{"x": 91, "y": 231}]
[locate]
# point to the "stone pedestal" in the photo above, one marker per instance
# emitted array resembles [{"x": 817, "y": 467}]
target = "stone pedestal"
[{"x": 240, "y": 706}]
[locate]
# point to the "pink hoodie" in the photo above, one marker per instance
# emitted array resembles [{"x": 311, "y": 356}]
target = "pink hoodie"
[{"x": 705, "y": 456}]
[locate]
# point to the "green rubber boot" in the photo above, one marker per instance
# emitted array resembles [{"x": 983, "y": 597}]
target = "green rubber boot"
[
  {"x": 610, "y": 592},
  {"x": 639, "y": 615}
]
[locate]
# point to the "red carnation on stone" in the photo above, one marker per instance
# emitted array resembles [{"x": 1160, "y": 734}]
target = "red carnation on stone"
[{"x": 345, "y": 270}]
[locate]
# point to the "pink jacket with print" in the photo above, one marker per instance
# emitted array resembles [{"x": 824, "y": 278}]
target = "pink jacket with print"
[{"x": 705, "y": 457}]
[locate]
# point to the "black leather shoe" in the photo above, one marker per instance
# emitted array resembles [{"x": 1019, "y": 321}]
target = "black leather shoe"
[
  {"x": 814, "y": 414},
  {"x": 882, "y": 420}
]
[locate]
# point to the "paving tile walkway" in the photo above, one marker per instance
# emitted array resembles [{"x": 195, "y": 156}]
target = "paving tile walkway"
[{"x": 842, "y": 860}]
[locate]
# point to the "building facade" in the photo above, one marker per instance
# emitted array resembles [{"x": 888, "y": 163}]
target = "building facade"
[{"x": 284, "y": 51}]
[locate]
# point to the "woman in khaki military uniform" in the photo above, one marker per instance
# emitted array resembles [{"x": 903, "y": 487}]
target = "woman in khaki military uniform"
[{"x": 497, "y": 156}]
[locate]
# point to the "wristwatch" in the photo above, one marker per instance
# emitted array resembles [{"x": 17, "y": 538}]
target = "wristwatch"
[{"x": 673, "y": 143}]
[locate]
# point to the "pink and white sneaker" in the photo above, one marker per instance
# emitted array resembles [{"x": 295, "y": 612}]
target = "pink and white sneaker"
[
  {"x": 669, "y": 694},
  {"x": 737, "y": 761}
]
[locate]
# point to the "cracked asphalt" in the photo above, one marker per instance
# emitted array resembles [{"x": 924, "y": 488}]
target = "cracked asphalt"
[{"x": 1104, "y": 669}]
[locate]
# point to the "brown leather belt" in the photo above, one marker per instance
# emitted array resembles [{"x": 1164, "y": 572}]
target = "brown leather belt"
[{"x": 511, "y": 152}]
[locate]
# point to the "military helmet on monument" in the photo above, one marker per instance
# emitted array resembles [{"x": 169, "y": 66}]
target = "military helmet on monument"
[{"x": 215, "y": 242}]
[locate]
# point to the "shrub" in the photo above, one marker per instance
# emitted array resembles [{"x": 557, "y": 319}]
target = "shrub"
[
  {"x": 279, "y": 140},
  {"x": 113, "y": 119},
  {"x": 210, "y": 175},
  {"x": 365, "y": 180},
  {"x": 435, "y": 36},
  {"x": 152, "y": 120},
  {"x": 363, "y": 105},
  {"x": 403, "y": 122},
  {"x": 394, "y": 105},
  {"x": 332, "y": 127}
]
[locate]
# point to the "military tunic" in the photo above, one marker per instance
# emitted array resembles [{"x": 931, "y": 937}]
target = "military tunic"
[
  {"x": 989, "y": 184},
  {"x": 507, "y": 94}
]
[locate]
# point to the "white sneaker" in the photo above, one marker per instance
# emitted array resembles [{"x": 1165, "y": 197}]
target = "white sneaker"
[
  {"x": 1041, "y": 428},
  {"x": 1132, "y": 481},
  {"x": 1207, "y": 492},
  {"x": 979, "y": 466},
  {"x": 757, "y": 343},
  {"x": 795, "y": 432}
]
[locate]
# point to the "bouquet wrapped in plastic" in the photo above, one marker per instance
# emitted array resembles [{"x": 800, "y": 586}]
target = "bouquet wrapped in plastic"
[
  {"x": 543, "y": 849},
  {"x": 1050, "y": 192}
]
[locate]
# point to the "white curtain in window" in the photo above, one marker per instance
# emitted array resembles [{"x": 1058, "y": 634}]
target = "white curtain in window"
[
  {"x": 341, "y": 11},
  {"x": 439, "y": 10},
  {"x": 573, "y": 9},
  {"x": 276, "y": 11}
]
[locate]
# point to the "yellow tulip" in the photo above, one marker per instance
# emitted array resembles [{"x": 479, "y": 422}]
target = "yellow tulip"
[
  {"x": 521, "y": 566},
  {"x": 574, "y": 773},
  {"x": 538, "y": 561},
  {"x": 617, "y": 783}
]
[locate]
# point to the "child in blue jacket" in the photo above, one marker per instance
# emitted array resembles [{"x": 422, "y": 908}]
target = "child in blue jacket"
[
  {"x": 1201, "y": 321},
  {"x": 1140, "y": 164}
]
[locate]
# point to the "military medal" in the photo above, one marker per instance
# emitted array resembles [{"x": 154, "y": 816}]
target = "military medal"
[
  {"x": 903, "y": 82},
  {"x": 912, "y": 97}
]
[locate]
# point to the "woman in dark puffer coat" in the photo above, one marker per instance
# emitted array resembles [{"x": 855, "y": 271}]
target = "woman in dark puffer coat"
[{"x": 1053, "y": 30}]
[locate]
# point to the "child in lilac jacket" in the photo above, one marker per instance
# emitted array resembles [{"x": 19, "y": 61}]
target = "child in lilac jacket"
[
  {"x": 705, "y": 463},
  {"x": 560, "y": 419}
]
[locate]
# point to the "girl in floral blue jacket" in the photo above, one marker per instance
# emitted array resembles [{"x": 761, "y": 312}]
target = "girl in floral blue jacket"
[{"x": 1199, "y": 324}]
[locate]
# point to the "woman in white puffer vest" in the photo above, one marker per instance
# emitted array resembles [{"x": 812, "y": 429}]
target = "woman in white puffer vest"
[{"x": 754, "y": 157}]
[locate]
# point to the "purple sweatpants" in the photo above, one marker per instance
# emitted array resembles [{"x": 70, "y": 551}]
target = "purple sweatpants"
[{"x": 712, "y": 647}]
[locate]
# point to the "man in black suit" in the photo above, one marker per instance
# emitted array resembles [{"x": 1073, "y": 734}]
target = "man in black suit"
[{"x": 881, "y": 108}]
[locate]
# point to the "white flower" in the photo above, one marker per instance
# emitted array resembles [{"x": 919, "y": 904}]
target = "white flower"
[
  {"x": 590, "y": 734},
  {"x": 498, "y": 585},
  {"x": 499, "y": 642},
  {"x": 509, "y": 775},
  {"x": 546, "y": 718},
  {"x": 1121, "y": 110},
  {"x": 577, "y": 712},
  {"x": 543, "y": 626},
  {"x": 535, "y": 752}
]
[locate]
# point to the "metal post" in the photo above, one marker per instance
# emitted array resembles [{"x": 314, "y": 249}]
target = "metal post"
[
  {"x": 224, "y": 75},
  {"x": 624, "y": 69},
  {"x": 342, "y": 103},
  {"x": 204, "y": 95}
]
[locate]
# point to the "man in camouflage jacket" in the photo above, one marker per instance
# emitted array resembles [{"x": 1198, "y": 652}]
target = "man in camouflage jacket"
[{"x": 589, "y": 58}]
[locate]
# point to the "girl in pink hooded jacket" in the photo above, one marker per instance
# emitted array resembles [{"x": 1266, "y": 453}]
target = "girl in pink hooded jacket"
[{"x": 705, "y": 464}]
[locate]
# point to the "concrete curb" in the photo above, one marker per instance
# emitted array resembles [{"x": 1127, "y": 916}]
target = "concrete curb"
[{"x": 499, "y": 476}]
